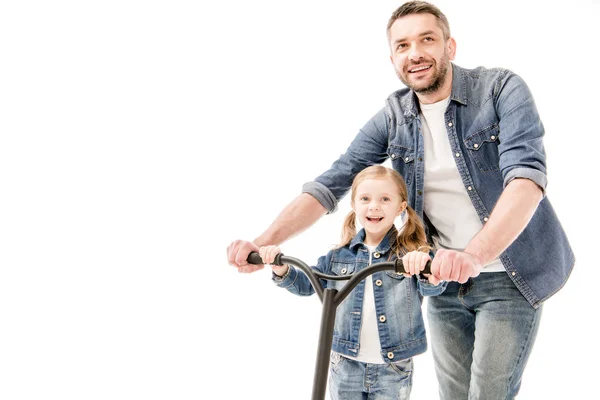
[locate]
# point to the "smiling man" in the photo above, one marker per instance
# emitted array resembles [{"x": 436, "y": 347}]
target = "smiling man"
[{"x": 468, "y": 143}]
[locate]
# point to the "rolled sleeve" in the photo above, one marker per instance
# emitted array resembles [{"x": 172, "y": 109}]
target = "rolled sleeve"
[
  {"x": 521, "y": 147},
  {"x": 368, "y": 148},
  {"x": 532, "y": 174},
  {"x": 322, "y": 194}
]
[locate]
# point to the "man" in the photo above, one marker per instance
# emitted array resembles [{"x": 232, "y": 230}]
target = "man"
[{"x": 469, "y": 146}]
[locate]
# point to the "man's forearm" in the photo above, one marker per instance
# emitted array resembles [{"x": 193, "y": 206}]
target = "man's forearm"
[
  {"x": 296, "y": 217},
  {"x": 510, "y": 216}
]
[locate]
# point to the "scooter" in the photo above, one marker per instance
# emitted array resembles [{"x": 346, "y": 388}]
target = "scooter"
[{"x": 331, "y": 299}]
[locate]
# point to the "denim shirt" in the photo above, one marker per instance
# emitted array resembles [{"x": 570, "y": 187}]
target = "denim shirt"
[
  {"x": 398, "y": 299},
  {"x": 495, "y": 134}
]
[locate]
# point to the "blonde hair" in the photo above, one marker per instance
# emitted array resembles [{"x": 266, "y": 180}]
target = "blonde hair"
[{"x": 411, "y": 237}]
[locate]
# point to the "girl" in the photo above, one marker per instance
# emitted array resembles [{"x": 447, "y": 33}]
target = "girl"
[{"x": 379, "y": 326}]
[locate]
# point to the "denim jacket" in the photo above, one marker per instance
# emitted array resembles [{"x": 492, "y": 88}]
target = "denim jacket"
[
  {"x": 398, "y": 299},
  {"x": 495, "y": 134}
]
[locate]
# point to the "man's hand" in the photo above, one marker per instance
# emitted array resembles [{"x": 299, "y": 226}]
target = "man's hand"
[
  {"x": 457, "y": 266},
  {"x": 237, "y": 256}
]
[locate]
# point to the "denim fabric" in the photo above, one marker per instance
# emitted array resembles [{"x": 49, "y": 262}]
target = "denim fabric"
[
  {"x": 354, "y": 380},
  {"x": 398, "y": 299},
  {"x": 482, "y": 334},
  {"x": 496, "y": 136}
]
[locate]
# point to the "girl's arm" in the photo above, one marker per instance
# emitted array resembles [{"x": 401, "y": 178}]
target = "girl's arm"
[{"x": 290, "y": 278}]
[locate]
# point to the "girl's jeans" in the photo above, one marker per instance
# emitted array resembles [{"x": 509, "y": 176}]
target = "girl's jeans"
[
  {"x": 355, "y": 380},
  {"x": 482, "y": 333}
]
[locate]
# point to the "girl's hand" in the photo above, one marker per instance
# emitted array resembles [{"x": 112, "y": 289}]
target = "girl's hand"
[
  {"x": 414, "y": 262},
  {"x": 268, "y": 253}
]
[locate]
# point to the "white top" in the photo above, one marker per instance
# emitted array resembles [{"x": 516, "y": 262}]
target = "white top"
[
  {"x": 447, "y": 203},
  {"x": 370, "y": 346}
]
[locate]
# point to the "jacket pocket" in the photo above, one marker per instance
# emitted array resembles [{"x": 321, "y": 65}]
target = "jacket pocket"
[
  {"x": 403, "y": 161},
  {"x": 482, "y": 147},
  {"x": 340, "y": 269}
]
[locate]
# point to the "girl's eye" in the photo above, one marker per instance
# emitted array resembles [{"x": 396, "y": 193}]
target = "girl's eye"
[
  {"x": 386, "y": 199},
  {"x": 364, "y": 198}
]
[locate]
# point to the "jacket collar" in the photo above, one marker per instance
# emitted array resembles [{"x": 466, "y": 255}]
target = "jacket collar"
[
  {"x": 383, "y": 247},
  {"x": 410, "y": 102}
]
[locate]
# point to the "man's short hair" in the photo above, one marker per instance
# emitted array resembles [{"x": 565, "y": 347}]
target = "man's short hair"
[{"x": 420, "y": 7}]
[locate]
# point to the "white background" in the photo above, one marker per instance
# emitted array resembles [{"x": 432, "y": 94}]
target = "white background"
[{"x": 139, "y": 138}]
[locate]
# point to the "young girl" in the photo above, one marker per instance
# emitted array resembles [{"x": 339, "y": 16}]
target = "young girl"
[{"x": 379, "y": 326}]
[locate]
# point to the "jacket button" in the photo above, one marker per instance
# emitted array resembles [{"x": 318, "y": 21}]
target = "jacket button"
[
  {"x": 393, "y": 156},
  {"x": 382, "y": 318},
  {"x": 449, "y": 123},
  {"x": 376, "y": 255},
  {"x": 514, "y": 273},
  {"x": 419, "y": 192},
  {"x": 486, "y": 219},
  {"x": 390, "y": 355},
  {"x": 343, "y": 271},
  {"x": 378, "y": 282},
  {"x": 493, "y": 137},
  {"x": 457, "y": 154},
  {"x": 469, "y": 188}
]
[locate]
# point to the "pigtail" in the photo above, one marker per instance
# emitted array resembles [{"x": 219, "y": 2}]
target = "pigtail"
[
  {"x": 349, "y": 229},
  {"x": 412, "y": 236}
]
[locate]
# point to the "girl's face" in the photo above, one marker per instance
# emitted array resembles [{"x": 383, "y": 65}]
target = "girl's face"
[{"x": 377, "y": 203}]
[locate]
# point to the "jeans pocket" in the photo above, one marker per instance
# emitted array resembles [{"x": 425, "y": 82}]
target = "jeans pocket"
[{"x": 403, "y": 368}]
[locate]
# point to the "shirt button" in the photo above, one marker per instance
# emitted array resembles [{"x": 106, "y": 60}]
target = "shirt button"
[
  {"x": 378, "y": 282},
  {"x": 469, "y": 188},
  {"x": 457, "y": 154},
  {"x": 390, "y": 355},
  {"x": 382, "y": 318},
  {"x": 343, "y": 271},
  {"x": 476, "y": 145},
  {"x": 449, "y": 123},
  {"x": 486, "y": 219}
]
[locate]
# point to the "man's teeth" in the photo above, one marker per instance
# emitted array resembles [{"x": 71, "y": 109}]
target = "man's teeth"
[{"x": 420, "y": 68}]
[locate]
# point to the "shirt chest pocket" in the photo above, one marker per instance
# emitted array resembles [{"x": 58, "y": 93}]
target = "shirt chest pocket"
[
  {"x": 403, "y": 161},
  {"x": 482, "y": 147}
]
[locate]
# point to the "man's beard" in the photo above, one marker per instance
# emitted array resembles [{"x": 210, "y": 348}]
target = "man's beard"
[{"x": 437, "y": 80}]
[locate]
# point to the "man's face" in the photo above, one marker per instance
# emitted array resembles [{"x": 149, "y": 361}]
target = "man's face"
[{"x": 420, "y": 55}]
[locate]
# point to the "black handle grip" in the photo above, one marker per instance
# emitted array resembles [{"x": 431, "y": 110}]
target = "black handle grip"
[
  {"x": 254, "y": 258},
  {"x": 400, "y": 267}
]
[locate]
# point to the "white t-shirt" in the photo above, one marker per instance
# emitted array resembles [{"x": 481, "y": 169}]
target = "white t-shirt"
[
  {"x": 370, "y": 345},
  {"x": 446, "y": 201}
]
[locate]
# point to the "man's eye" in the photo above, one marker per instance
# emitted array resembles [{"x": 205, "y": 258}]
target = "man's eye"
[{"x": 428, "y": 39}]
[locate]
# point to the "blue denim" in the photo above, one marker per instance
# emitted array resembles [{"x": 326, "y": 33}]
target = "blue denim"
[
  {"x": 355, "y": 380},
  {"x": 495, "y": 134},
  {"x": 482, "y": 334},
  {"x": 398, "y": 299}
]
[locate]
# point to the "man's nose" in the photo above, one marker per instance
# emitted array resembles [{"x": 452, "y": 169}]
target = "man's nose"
[{"x": 415, "y": 53}]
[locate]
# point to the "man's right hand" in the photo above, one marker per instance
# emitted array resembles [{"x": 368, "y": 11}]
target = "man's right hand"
[{"x": 237, "y": 256}]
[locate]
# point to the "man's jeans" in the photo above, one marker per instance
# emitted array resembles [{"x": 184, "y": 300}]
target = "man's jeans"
[
  {"x": 354, "y": 380},
  {"x": 482, "y": 333}
]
